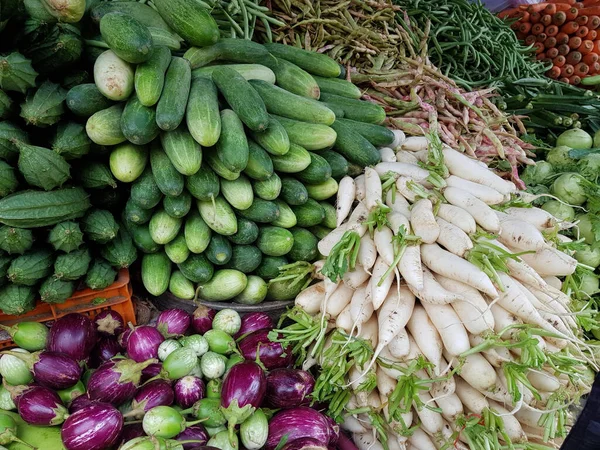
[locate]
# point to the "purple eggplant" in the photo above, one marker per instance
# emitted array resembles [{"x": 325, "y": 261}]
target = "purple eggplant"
[
  {"x": 123, "y": 338},
  {"x": 96, "y": 427},
  {"x": 297, "y": 423},
  {"x": 202, "y": 319},
  {"x": 143, "y": 343},
  {"x": 334, "y": 431},
  {"x": 288, "y": 388},
  {"x": 51, "y": 369},
  {"x": 151, "y": 371},
  {"x": 271, "y": 354},
  {"x": 345, "y": 443},
  {"x": 73, "y": 335},
  {"x": 173, "y": 322},
  {"x": 306, "y": 443},
  {"x": 16, "y": 392},
  {"x": 188, "y": 390},
  {"x": 130, "y": 432},
  {"x": 106, "y": 348},
  {"x": 116, "y": 381},
  {"x": 253, "y": 322},
  {"x": 42, "y": 406},
  {"x": 109, "y": 323},
  {"x": 195, "y": 433},
  {"x": 81, "y": 402},
  {"x": 154, "y": 393}
]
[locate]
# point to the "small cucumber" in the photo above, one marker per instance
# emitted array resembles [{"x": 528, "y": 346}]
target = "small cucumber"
[
  {"x": 238, "y": 192},
  {"x": 85, "y": 100},
  {"x": 190, "y": 19},
  {"x": 269, "y": 266},
  {"x": 293, "y": 192},
  {"x": 219, "y": 250},
  {"x": 261, "y": 211},
  {"x": 330, "y": 220},
  {"x": 181, "y": 287},
  {"x": 318, "y": 170},
  {"x": 245, "y": 258},
  {"x": 311, "y": 136},
  {"x": 228, "y": 49},
  {"x": 358, "y": 110},
  {"x": 353, "y": 146},
  {"x": 165, "y": 38},
  {"x": 202, "y": 113},
  {"x": 313, "y": 62},
  {"x": 376, "y": 134},
  {"x": 168, "y": 179},
  {"x": 260, "y": 165},
  {"x": 248, "y": 71},
  {"x": 217, "y": 165},
  {"x": 104, "y": 127},
  {"x": 232, "y": 147},
  {"x": 338, "y": 87},
  {"x": 305, "y": 245},
  {"x": 275, "y": 241},
  {"x": 293, "y": 79},
  {"x": 179, "y": 206},
  {"x": 197, "y": 233},
  {"x": 134, "y": 213},
  {"x": 140, "y": 233},
  {"x": 164, "y": 228},
  {"x": 156, "y": 273},
  {"x": 183, "y": 151},
  {"x": 150, "y": 76},
  {"x": 177, "y": 250},
  {"x": 138, "y": 122},
  {"x": 139, "y": 11},
  {"x": 204, "y": 184},
  {"x": 127, "y": 37},
  {"x": 219, "y": 216},
  {"x": 287, "y": 218},
  {"x": 323, "y": 190},
  {"x": 338, "y": 164},
  {"x": 296, "y": 160},
  {"x": 274, "y": 139},
  {"x": 145, "y": 191},
  {"x": 197, "y": 268},
  {"x": 309, "y": 214},
  {"x": 174, "y": 97},
  {"x": 224, "y": 285},
  {"x": 128, "y": 161},
  {"x": 246, "y": 234},
  {"x": 268, "y": 189}
]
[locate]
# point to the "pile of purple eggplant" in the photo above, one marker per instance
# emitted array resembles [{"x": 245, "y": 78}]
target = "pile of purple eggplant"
[{"x": 191, "y": 382}]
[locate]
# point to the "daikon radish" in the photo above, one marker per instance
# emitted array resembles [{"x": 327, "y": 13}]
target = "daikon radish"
[
  {"x": 425, "y": 335},
  {"x": 423, "y": 222},
  {"x": 367, "y": 252},
  {"x": 495, "y": 356},
  {"x": 359, "y": 214},
  {"x": 397, "y": 221},
  {"x": 344, "y": 320},
  {"x": 410, "y": 267},
  {"x": 380, "y": 284},
  {"x": 360, "y": 190},
  {"x": 318, "y": 265},
  {"x": 432, "y": 292},
  {"x": 482, "y": 213},
  {"x": 451, "y": 266},
  {"x": 543, "y": 381},
  {"x": 345, "y": 198},
  {"x": 311, "y": 298},
  {"x": 387, "y": 357},
  {"x": 471, "y": 398},
  {"x": 511, "y": 424},
  {"x": 457, "y": 216},
  {"x": 504, "y": 319},
  {"x": 356, "y": 278},
  {"x": 393, "y": 443},
  {"x": 415, "y": 143},
  {"x": 399, "y": 138},
  {"x": 402, "y": 185},
  {"x": 454, "y": 239},
  {"x": 387, "y": 154},
  {"x": 451, "y": 406},
  {"x": 352, "y": 425},
  {"x": 449, "y": 326},
  {"x": 369, "y": 331},
  {"x": 422, "y": 155},
  {"x": 528, "y": 417},
  {"x": 406, "y": 157},
  {"x": 431, "y": 421},
  {"x": 553, "y": 281},
  {"x": 373, "y": 193},
  {"x": 385, "y": 383},
  {"x": 537, "y": 217},
  {"x": 520, "y": 235},
  {"x": 361, "y": 306},
  {"x": 549, "y": 261},
  {"x": 399, "y": 346},
  {"x": 407, "y": 170},
  {"x": 338, "y": 300},
  {"x": 382, "y": 237},
  {"x": 366, "y": 441},
  {"x": 397, "y": 202},
  {"x": 484, "y": 193},
  {"x": 477, "y": 371},
  {"x": 555, "y": 303},
  {"x": 420, "y": 440},
  {"x": 326, "y": 244}
]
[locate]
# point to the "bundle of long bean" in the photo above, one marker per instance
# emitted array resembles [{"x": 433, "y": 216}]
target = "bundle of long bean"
[{"x": 238, "y": 18}]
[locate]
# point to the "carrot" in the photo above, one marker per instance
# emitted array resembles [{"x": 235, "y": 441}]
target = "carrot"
[
  {"x": 552, "y": 30},
  {"x": 550, "y": 42},
  {"x": 541, "y": 37},
  {"x": 559, "y": 61},
  {"x": 590, "y": 58},
  {"x": 568, "y": 2},
  {"x": 582, "y": 20},
  {"x": 563, "y": 50},
  {"x": 550, "y": 8},
  {"x": 594, "y": 22},
  {"x": 575, "y": 42},
  {"x": 546, "y": 20},
  {"x": 575, "y": 80},
  {"x": 552, "y": 53},
  {"x": 572, "y": 13},
  {"x": 562, "y": 38},
  {"x": 567, "y": 70},
  {"x": 554, "y": 72},
  {"x": 526, "y": 28},
  {"x": 591, "y": 11},
  {"x": 573, "y": 58},
  {"x": 586, "y": 47},
  {"x": 559, "y": 18},
  {"x": 539, "y": 47},
  {"x": 582, "y": 69},
  {"x": 540, "y": 56},
  {"x": 508, "y": 12},
  {"x": 530, "y": 40},
  {"x": 564, "y": 80},
  {"x": 582, "y": 32},
  {"x": 578, "y": 6},
  {"x": 515, "y": 26},
  {"x": 596, "y": 67},
  {"x": 587, "y": 3},
  {"x": 570, "y": 27},
  {"x": 537, "y": 29},
  {"x": 536, "y": 8},
  {"x": 563, "y": 6},
  {"x": 591, "y": 35},
  {"x": 535, "y": 17},
  {"x": 597, "y": 47}
]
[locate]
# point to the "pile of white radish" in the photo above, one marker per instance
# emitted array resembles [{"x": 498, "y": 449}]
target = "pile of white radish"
[{"x": 457, "y": 289}]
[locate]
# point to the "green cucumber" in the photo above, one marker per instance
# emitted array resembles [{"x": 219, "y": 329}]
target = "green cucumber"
[
  {"x": 358, "y": 110},
  {"x": 246, "y": 234},
  {"x": 268, "y": 189},
  {"x": 242, "y": 98},
  {"x": 313, "y": 62},
  {"x": 309, "y": 214},
  {"x": 204, "y": 184},
  {"x": 165, "y": 38},
  {"x": 317, "y": 171},
  {"x": 274, "y": 139},
  {"x": 337, "y": 86},
  {"x": 202, "y": 114},
  {"x": 139, "y": 11},
  {"x": 260, "y": 165},
  {"x": 218, "y": 215},
  {"x": 248, "y": 71},
  {"x": 150, "y": 76},
  {"x": 145, "y": 191},
  {"x": 269, "y": 266},
  {"x": 287, "y": 218},
  {"x": 183, "y": 151},
  {"x": 128, "y": 161},
  {"x": 292, "y": 78},
  {"x": 177, "y": 250},
  {"x": 127, "y": 37},
  {"x": 238, "y": 192},
  {"x": 353, "y": 146},
  {"x": 217, "y": 165},
  {"x": 245, "y": 258},
  {"x": 190, "y": 19},
  {"x": 219, "y": 250},
  {"x": 86, "y": 100},
  {"x": 224, "y": 285},
  {"x": 320, "y": 231},
  {"x": 156, "y": 272},
  {"x": 294, "y": 161},
  {"x": 338, "y": 164},
  {"x": 293, "y": 192},
  {"x": 138, "y": 122},
  {"x": 228, "y": 49},
  {"x": 197, "y": 268},
  {"x": 179, "y": 206},
  {"x": 140, "y": 233},
  {"x": 104, "y": 126},
  {"x": 337, "y": 111},
  {"x": 134, "y": 213},
  {"x": 174, "y": 97},
  {"x": 232, "y": 147},
  {"x": 275, "y": 241},
  {"x": 311, "y": 136},
  {"x": 255, "y": 292},
  {"x": 261, "y": 211},
  {"x": 330, "y": 220},
  {"x": 164, "y": 228},
  {"x": 354, "y": 169},
  {"x": 376, "y": 134},
  {"x": 169, "y": 180},
  {"x": 323, "y": 190},
  {"x": 305, "y": 245},
  {"x": 286, "y": 104},
  {"x": 197, "y": 233},
  {"x": 181, "y": 287}
]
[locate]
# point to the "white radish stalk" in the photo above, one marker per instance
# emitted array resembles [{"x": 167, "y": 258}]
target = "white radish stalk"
[
  {"x": 361, "y": 306},
  {"x": 550, "y": 261},
  {"x": 356, "y": 278},
  {"x": 486, "y": 194},
  {"x": 344, "y": 320},
  {"x": 426, "y": 335},
  {"x": 511, "y": 424},
  {"x": 360, "y": 189},
  {"x": 423, "y": 222},
  {"x": 458, "y": 217},
  {"x": 552, "y": 281},
  {"x": 482, "y": 213},
  {"x": 421, "y": 441},
  {"x": 474, "y": 400},
  {"x": 382, "y": 237},
  {"x": 537, "y": 217},
  {"x": 449, "y": 326},
  {"x": 399, "y": 346},
  {"x": 453, "y": 238},
  {"x": 543, "y": 381},
  {"x": 387, "y": 154},
  {"x": 520, "y": 235},
  {"x": 415, "y": 143},
  {"x": 399, "y": 138},
  {"x": 410, "y": 267},
  {"x": 406, "y": 157},
  {"x": 431, "y": 421},
  {"x": 367, "y": 252},
  {"x": 373, "y": 193},
  {"x": 380, "y": 285},
  {"x": 397, "y": 221},
  {"x": 432, "y": 292},
  {"x": 451, "y": 406},
  {"x": 345, "y": 198},
  {"x": 338, "y": 300},
  {"x": 397, "y": 202},
  {"x": 403, "y": 169},
  {"x": 311, "y": 298},
  {"x": 451, "y": 266}
]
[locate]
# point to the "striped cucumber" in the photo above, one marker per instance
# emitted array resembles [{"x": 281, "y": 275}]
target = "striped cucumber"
[
  {"x": 202, "y": 114},
  {"x": 173, "y": 100},
  {"x": 150, "y": 76}
]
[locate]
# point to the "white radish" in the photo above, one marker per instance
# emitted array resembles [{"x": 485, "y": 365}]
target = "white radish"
[
  {"x": 528, "y": 417},
  {"x": 484, "y": 193},
  {"x": 416, "y": 143},
  {"x": 410, "y": 267},
  {"x": 373, "y": 193},
  {"x": 326, "y": 244},
  {"x": 383, "y": 239},
  {"x": 399, "y": 346},
  {"x": 311, "y": 298},
  {"x": 420, "y": 440},
  {"x": 537, "y": 217},
  {"x": 380, "y": 284},
  {"x": 478, "y": 372},
  {"x": 452, "y": 266},
  {"x": 451, "y": 330},
  {"x": 423, "y": 222},
  {"x": 407, "y": 170},
  {"x": 404, "y": 189},
  {"x": 482, "y": 213},
  {"x": 521, "y": 235},
  {"x": 344, "y": 320},
  {"x": 345, "y": 198},
  {"x": 360, "y": 189},
  {"x": 543, "y": 381},
  {"x": 426, "y": 335},
  {"x": 394, "y": 443},
  {"x": 366, "y": 441},
  {"x": 399, "y": 138},
  {"x": 406, "y": 157},
  {"x": 361, "y": 306},
  {"x": 511, "y": 424},
  {"x": 356, "y": 278},
  {"x": 553, "y": 281},
  {"x": 385, "y": 383},
  {"x": 359, "y": 214},
  {"x": 318, "y": 267},
  {"x": 457, "y": 216},
  {"x": 422, "y": 155},
  {"x": 397, "y": 221},
  {"x": 471, "y": 398},
  {"x": 451, "y": 406},
  {"x": 504, "y": 319},
  {"x": 549, "y": 261},
  {"x": 367, "y": 252},
  {"x": 387, "y": 154},
  {"x": 496, "y": 356},
  {"x": 369, "y": 332},
  {"x": 431, "y": 421},
  {"x": 453, "y": 238},
  {"x": 338, "y": 300},
  {"x": 433, "y": 292},
  {"x": 397, "y": 202},
  {"x": 353, "y": 425}
]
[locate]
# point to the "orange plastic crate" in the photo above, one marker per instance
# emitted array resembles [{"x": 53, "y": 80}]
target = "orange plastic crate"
[{"x": 88, "y": 302}]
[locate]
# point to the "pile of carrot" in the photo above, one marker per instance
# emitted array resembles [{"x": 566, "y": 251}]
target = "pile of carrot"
[{"x": 564, "y": 33}]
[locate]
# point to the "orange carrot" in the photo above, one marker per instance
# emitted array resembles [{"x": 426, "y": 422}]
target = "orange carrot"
[
  {"x": 570, "y": 27},
  {"x": 574, "y": 80},
  {"x": 541, "y": 37},
  {"x": 507, "y": 12},
  {"x": 536, "y": 8},
  {"x": 594, "y": 22},
  {"x": 596, "y": 67},
  {"x": 559, "y": 61},
  {"x": 552, "y": 53},
  {"x": 539, "y": 47},
  {"x": 567, "y": 70},
  {"x": 586, "y": 47},
  {"x": 546, "y": 19},
  {"x": 575, "y": 42},
  {"x": 578, "y": 6},
  {"x": 587, "y": 3},
  {"x": 537, "y": 29},
  {"x": 591, "y": 11},
  {"x": 530, "y": 40},
  {"x": 581, "y": 69},
  {"x": 564, "y": 80},
  {"x": 563, "y": 50},
  {"x": 550, "y": 42},
  {"x": 568, "y": 2},
  {"x": 562, "y": 38},
  {"x": 540, "y": 56},
  {"x": 572, "y": 13},
  {"x": 574, "y": 58},
  {"x": 550, "y": 8},
  {"x": 551, "y": 30},
  {"x": 515, "y": 26},
  {"x": 591, "y": 36},
  {"x": 554, "y": 72},
  {"x": 582, "y": 20},
  {"x": 559, "y": 18},
  {"x": 535, "y": 17},
  {"x": 520, "y": 36},
  {"x": 581, "y": 32},
  {"x": 526, "y": 28},
  {"x": 590, "y": 58}
]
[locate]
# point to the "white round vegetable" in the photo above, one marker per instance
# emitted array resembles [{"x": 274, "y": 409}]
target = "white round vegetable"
[
  {"x": 227, "y": 320},
  {"x": 113, "y": 76},
  {"x": 212, "y": 365},
  {"x": 167, "y": 347}
]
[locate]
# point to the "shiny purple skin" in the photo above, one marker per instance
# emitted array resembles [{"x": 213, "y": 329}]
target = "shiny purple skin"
[
  {"x": 96, "y": 427},
  {"x": 193, "y": 433},
  {"x": 202, "y": 319},
  {"x": 83, "y": 401},
  {"x": 288, "y": 388},
  {"x": 188, "y": 390},
  {"x": 306, "y": 443},
  {"x": 297, "y": 423},
  {"x": 123, "y": 338},
  {"x": 143, "y": 343},
  {"x": 109, "y": 323},
  {"x": 106, "y": 384},
  {"x": 173, "y": 322},
  {"x": 253, "y": 322},
  {"x": 106, "y": 348},
  {"x": 345, "y": 443},
  {"x": 271, "y": 354},
  {"x": 155, "y": 393},
  {"x": 151, "y": 371},
  {"x": 334, "y": 431},
  {"x": 74, "y": 335},
  {"x": 130, "y": 432},
  {"x": 41, "y": 406},
  {"x": 246, "y": 383},
  {"x": 56, "y": 370}
]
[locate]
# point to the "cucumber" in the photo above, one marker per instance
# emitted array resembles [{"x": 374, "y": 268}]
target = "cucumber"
[
  {"x": 309, "y": 214},
  {"x": 183, "y": 151},
  {"x": 337, "y": 111},
  {"x": 104, "y": 127},
  {"x": 139, "y": 11},
  {"x": 355, "y": 148},
  {"x": 246, "y": 234},
  {"x": 330, "y": 220},
  {"x": 248, "y": 71},
  {"x": 135, "y": 213},
  {"x": 358, "y": 110},
  {"x": 204, "y": 184},
  {"x": 129, "y": 39},
  {"x": 338, "y": 164},
  {"x": 190, "y": 19},
  {"x": 315, "y": 63},
  {"x": 202, "y": 114},
  {"x": 305, "y": 245},
  {"x": 156, "y": 272},
  {"x": 275, "y": 241},
  {"x": 245, "y": 258},
  {"x": 337, "y": 86},
  {"x": 317, "y": 171},
  {"x": 197, "y": 233},
  {"x": 242, "y": 98},
  {"x": 179, "y": 206},
  {"x": 85, "y": 100},
  {"x": 164, "y": 228},
  {"x": 255, "y": 292},
  {"x": 311, "y": 136},
  {"x": 168, "y": 179},
  {"x": 269, "y": 266},
  {"x": 228, "y": 49},
  {"x": 274, "y": 139},
  {"x": 238, "y": 193},
  {"x": 165, "y": 38},
  {"x": 140, "y": 233},
  {"x": 149, "y": 77},
  {"x": 354, "y": 170},
  {"x": 219, "y": 168},
  {"x": 224, "y": 285},
  {"x": 138, "y": 122},
  {"x": 177, "y": 250},
  {"x": 260, "y": 165},
  {"x": 320, "y": 231},
  {"x": 113, "y": 76},
  {"x": 232, "y": 147},
  {"x": 324, "y": 190},
  {"x": 261, "y": 211},
  {"x": 376, "y": 134},
  {"x": 268, "y": 189},
  {"x": 219, "y": 250},
  {"x": 197, "y": 268},
  {"x": 292, "y": 78},
  {"x": 145, "y": 191},
  {"x": 294, "y": 161},
  {"x": 218, "y": 215},
  {"x": 174, "y": 97},
  {"x": 128, "y": 161},
  {"x": 293, "y": 192},
  {"x": 286, "y": 104},
  {"x": 181, "y": 287},
  {"x": 287, "y": 218}
]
